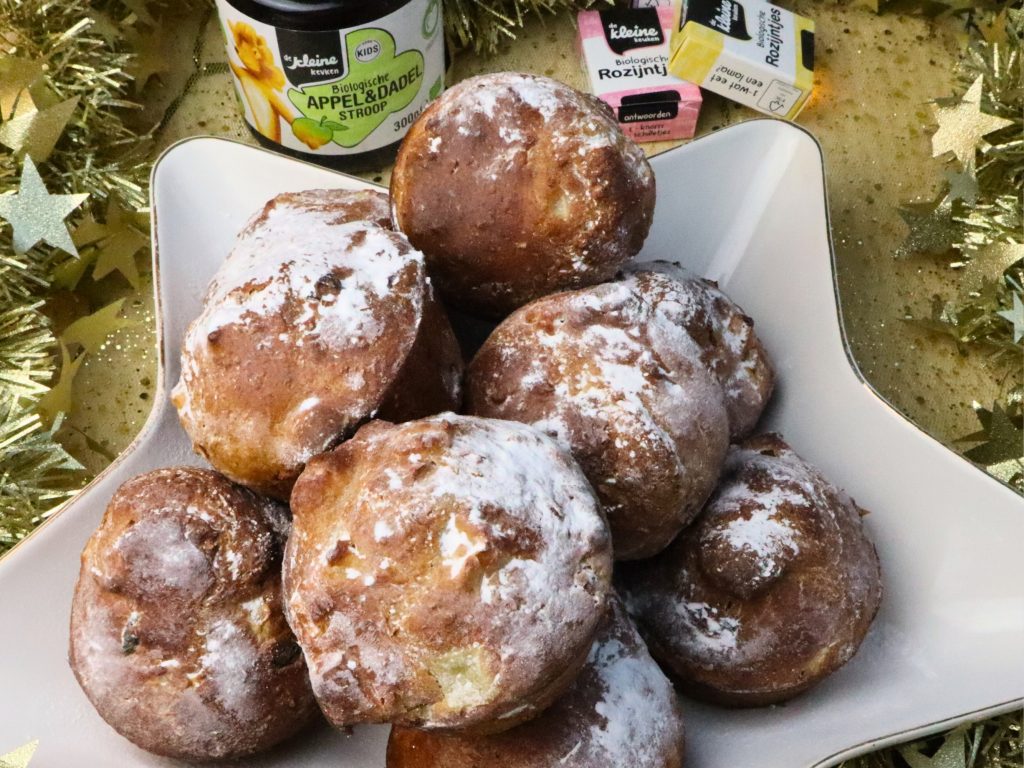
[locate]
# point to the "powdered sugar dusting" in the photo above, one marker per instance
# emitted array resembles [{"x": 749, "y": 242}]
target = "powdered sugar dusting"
[
  {"x": 714, "y": 631},
  {"x": 228, "y": 664},
  {"x": 326, "y": 275},
  {"x": 505, "y": 532},
  {"x": 622, "y": 377},
  {"x": 731, "y": 349},
  {"x": 637, "y": 707},
  {"x": 773, "y": 588},
  {"x": 457, "y": 546},
  {"x": 293, "y": 324},
  {"x": 621, "y": 711},
  {"x": 158, "y": 553},
  {"x": 513, "y": 467},
  {"x": 622, "y": 387},
  {"x": 496, "y": 97},
  {"x": 764, "y": 534}
]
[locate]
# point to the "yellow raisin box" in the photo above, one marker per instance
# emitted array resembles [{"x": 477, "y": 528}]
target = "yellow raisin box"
[{"x": 749, "y": 51}]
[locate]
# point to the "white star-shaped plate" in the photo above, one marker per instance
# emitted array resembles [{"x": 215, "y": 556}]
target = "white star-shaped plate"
[{"x": 747, "y": 207}]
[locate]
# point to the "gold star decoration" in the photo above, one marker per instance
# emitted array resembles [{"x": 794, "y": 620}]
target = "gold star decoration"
[
  {"x": 140, "y": 10},
  {"x": 103, "y": 25},
  {"x": 952, "y": 754},
  {"x": 16, "y": 76},
  {"x": 987, "y": 264},
  {"x": 92, "y": 330},
  {"x": 932, "y": 228},
  {"x": 993, "y": 28},
  {"x": 36, "y": 132},
  {"x": 1001, "y": 435},
  {"x": 1001, "y": 441},
  {"x": 117, "y": 242},
  {"x": 149, "y": 57},
  {"x": 963, "y": 185},
  {"x": 58, "y": 400},
  {"x": 1015, "y": 316},
  {"x": 36, "y": 215},
  {"x": 962, "y": 125},
  {"x": 19, "y": 758},
  {"x": 69, "y": 273}
]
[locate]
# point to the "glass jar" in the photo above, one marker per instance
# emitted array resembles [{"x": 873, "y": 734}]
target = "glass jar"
[{"x": 334, "y": 82}]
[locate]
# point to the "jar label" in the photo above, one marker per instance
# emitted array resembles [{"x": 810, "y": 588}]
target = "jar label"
[{"x": 337, "y": 92}]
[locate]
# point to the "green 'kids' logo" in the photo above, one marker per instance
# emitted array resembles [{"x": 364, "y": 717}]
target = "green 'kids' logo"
[
  {"x": 431, "y": 19},
  {"x": 378, "y": 83}
]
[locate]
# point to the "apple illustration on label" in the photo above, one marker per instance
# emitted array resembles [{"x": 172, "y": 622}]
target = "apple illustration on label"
[{"x": 311, "y": 133}]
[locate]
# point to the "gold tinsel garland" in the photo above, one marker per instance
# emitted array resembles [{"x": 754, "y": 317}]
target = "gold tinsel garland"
[
  {"x": 68, "y": 72},
  {"x": 976, "y": 226},
  {"x": 486, "y": 25},
  {"x": 63, "y": 90}
]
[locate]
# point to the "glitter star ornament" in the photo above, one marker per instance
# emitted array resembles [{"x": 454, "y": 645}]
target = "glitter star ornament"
[
  {"x": 962, "y": 125},
  {"x": 35, "y": 132},
  {"x": 962, "y": 186},
  {"x": 20, "y": 757},
  {"x": 117, "y": 240},
  {"x": 931, "y": 225},
  {"x": 36, "y": 215},
  {"x": 16, "y": 76},
  {"x": 952, "y": 754},
  {"x": 58, "y": 400},
  {"x": 1015, "y": 315},
  {"x": 150, "y": 57},
  {"x": 93, "y": 330},
  {"x": 987, "y": 264}
]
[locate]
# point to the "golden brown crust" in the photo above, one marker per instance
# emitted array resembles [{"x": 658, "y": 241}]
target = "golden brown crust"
[
  {"x": 729, "y": 347},
  {"x": 621, "y": 711},
  {"x": 772, "y": 589},
  {"x": 178, "y": 634},
  {"x": 625, "y": 390},
  {"x": 448, "y": 572},
  {"x": 430, "y": 381},
  {"x": 306, "y": 330},
  {"x": 336, "y": 206},
  {"x": 516, "y": 186}
]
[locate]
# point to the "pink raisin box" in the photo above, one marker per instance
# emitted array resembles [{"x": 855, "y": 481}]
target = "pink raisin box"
[{"x": 625, "y": 53}]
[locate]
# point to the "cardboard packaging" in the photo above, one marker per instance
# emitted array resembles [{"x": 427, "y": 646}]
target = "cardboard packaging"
[
  {"x": 625, "y": 53},
  {"x": 749, "y": 51}
]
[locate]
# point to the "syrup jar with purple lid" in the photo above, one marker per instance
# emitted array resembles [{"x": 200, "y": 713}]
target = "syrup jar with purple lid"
[{"x": 334, "y": 82}]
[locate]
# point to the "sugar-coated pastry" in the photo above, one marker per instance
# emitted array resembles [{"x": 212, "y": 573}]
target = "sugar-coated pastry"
[
  {"x": 313, "y": 325},
  {"x": 445, "y": 573},
  {"x": 178, "y": 635},
  {"x": 621, "y": 712},
  {"x": 340, "y": 206},
  {"x": 729, "y": 346},
  {"x": 626, "y": 390},
  {"x": 771, "y": 590},
  {"x": 516, "y": 186}
]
